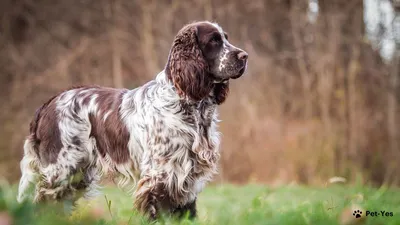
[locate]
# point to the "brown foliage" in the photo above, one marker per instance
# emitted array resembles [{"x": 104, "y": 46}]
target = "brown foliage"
[{"x": 314, "y": 102}]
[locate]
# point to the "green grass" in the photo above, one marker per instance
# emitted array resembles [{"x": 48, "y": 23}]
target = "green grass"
[{"x": 225, "y": 204}]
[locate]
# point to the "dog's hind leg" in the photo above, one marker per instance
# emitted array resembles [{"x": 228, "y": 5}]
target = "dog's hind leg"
[
  {"x": 29, "y": 169},
  {"x": 59, "y": 180}
]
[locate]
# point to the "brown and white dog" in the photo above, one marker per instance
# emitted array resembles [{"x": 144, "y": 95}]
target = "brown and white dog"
[{"x": 162, "y": 135}]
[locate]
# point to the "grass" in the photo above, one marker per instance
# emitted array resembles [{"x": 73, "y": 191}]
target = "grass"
[{"x": 225, "y": 204}]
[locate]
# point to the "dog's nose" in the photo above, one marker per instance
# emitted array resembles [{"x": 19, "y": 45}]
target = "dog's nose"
[{"x": 243, "y": 55}]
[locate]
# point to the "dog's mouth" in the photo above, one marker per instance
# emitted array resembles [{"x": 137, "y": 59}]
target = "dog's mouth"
[
  {"x": 221, "y": 80},
  {"x": 240, "y": 72}
]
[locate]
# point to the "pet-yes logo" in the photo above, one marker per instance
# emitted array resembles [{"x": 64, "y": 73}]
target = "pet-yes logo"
[{"x": 359, "y": 213}]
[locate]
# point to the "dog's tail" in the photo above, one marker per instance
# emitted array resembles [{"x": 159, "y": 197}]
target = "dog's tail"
[
  {"x": 29, "y": 168},
  {"x": 30, "y": 162}
]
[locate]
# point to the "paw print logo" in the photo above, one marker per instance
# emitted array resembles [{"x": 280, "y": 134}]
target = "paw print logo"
[{"x": 357, "y": 213}]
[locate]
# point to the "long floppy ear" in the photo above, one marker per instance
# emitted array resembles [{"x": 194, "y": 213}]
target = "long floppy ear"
[
  {"x": 186, "y": 66},
  {"x": 220, "y": 92}
]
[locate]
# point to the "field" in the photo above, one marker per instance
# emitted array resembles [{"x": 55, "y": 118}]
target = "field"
[{"x": 226, "y": 204}]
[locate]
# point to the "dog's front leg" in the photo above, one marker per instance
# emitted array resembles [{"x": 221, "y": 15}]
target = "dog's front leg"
[
  {"x": 149, "y": 193},
  {"x": 189, "y": 209}
]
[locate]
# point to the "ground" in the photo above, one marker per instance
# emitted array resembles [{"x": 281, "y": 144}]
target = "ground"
[{"x": 228, "y": 204}]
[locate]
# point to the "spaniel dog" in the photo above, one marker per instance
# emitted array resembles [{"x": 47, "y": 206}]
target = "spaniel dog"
[{"x": 161, "y": 137}]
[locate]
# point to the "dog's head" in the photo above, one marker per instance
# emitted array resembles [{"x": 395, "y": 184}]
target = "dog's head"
[{"x": 201, "y": 56}]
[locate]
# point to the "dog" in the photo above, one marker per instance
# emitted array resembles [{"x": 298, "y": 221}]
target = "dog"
[{"x": 162, "y": 136}]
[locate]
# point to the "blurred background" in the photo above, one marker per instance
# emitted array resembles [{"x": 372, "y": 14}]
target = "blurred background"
[{"x": 320, "y": 98}]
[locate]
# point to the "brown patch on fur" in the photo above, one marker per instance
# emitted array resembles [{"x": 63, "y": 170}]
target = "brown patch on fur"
[
  {"x": 111, "y": 135},
  {"x": 45, "y": 132}
]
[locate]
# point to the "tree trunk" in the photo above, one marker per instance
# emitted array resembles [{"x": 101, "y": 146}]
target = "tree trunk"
[
  {"x": 392, "y": 96},
  {"x": 116, "y": 54}
]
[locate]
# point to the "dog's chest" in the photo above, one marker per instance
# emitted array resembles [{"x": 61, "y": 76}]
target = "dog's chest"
[
  {"x": 200, "y": 116},
  {"x": 203, "y": 145},
  {"x": 188, "y": 144}
]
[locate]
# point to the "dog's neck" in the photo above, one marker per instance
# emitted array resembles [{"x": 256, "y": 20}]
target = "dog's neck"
[{"x": 162, "y": 78}]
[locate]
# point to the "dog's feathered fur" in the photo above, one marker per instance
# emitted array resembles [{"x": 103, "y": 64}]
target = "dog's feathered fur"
[{"x": 162, "y": 134}]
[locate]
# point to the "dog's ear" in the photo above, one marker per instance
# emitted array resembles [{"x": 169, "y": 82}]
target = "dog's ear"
[
  {"x": 220, "y": 92},
  {"x": 186, "y": 66}
]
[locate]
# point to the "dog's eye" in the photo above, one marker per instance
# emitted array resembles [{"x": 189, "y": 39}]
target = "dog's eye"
[
  {"x": 226, "y": 36},
  {"x": 216, "y": 39}
]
